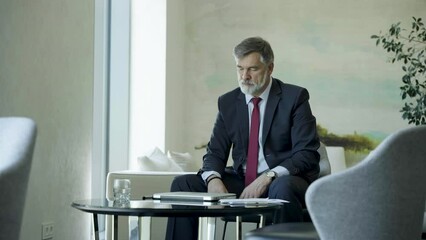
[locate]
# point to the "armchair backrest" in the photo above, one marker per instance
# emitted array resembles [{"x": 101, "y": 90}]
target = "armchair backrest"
[
  {"x": 17, "y": 139},
  {"x": 382, "y": 197}
]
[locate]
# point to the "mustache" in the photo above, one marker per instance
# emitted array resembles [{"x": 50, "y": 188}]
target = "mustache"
[{"x": 247, "y": 82}]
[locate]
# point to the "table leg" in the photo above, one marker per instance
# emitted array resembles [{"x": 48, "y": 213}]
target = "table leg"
[
  {"x": 115, "y": 227},
  {"x": 262, "y": 221},
  {"x": 206, "y": 228},
  {"x": 238, "y": 226},
  {"x": 144, "y": 228},
  {"x": 96, "y": 226}
]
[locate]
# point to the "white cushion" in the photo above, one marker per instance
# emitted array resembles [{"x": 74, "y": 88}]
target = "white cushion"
[{"x": 156, "y": 160}]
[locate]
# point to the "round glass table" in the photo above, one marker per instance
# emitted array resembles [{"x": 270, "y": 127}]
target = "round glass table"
[{"x": 207, "y": 212}]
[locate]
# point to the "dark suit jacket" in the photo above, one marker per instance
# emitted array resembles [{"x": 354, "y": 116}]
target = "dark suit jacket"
[{"x": 289, "y": 132}]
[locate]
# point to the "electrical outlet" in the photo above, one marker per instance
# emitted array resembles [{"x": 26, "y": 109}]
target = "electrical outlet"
[{"x": 47, "y": 230}]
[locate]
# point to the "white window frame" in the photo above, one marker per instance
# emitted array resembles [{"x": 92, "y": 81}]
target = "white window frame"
[{"x": 110, "y": 91}]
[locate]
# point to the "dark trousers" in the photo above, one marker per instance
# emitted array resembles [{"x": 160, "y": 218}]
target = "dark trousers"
[{"x": 291, "y": 188}]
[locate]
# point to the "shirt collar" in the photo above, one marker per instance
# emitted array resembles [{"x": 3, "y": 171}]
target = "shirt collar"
[{"x": 264, "y": 95}]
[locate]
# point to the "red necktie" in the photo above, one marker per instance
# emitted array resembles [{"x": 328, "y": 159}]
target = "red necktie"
[{"x": 253, "y": 148}]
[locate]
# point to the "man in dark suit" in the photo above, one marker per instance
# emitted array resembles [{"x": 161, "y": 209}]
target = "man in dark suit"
[{"x": 285, "y": 146}]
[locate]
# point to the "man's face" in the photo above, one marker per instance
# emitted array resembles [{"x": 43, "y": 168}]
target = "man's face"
[{"x": 253, "y": 74}]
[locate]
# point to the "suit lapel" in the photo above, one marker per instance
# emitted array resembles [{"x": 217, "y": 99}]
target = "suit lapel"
[
  {"x": 242, "y": 115},
  {"x": 273, "y": 99}
]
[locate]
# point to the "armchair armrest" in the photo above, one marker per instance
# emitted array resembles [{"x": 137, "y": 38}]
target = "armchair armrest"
[{"x": 143, "y": 183}]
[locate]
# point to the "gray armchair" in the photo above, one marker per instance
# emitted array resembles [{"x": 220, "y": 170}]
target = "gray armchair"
[
  {"x": 17, "y": 140},
  {"x": 382, "y": 197}
]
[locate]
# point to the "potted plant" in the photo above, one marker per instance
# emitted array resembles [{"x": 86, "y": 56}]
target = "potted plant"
[{"x": 408, "y": 46}]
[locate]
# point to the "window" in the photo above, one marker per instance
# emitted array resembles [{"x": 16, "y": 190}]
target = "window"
[{"x": 130, "y": 72}]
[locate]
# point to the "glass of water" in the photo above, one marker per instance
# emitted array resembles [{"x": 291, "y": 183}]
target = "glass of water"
[{"x": 121, "y": 192}]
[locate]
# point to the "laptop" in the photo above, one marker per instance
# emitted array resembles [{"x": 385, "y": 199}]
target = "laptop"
[{"x": 192, "y": 196}]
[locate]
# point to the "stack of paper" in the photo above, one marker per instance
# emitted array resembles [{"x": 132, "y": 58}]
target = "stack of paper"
[{"x": 250, "y": 201}]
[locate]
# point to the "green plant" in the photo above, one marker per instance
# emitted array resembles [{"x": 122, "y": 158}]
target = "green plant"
[{"x": 409, "y": 47}]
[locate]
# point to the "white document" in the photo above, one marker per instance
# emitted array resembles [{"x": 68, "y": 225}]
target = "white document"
[{"x": 250, "y": 201}]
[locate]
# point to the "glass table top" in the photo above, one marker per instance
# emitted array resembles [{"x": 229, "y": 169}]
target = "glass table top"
[{"x": 171, "y": 208}]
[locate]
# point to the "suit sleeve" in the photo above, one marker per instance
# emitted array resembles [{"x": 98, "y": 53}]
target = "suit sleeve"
[
  {"x": 218, "y": 147},
  {"x": 304, "y": 159}
]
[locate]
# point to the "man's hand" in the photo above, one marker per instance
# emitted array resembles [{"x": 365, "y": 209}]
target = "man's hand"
[
  {"x": 216, "y": 186},
  {"x": 257, "y": 187}
]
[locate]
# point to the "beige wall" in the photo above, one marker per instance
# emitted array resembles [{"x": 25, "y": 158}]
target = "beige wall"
[
  {"x": 175, "y": 91},
  {"x": 46, "y": 73}
]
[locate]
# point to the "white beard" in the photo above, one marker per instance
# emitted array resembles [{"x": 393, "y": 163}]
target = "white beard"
[{"x": 249, "y": 87}]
